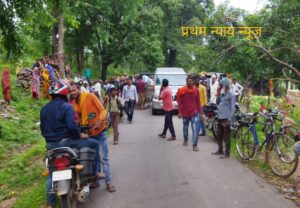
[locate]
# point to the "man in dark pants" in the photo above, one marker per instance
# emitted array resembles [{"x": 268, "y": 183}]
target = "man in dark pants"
[
  {"x": 226, "y": 108},
  {"x": 168, "y": 106},
  {"x": 130, "y": 96}
]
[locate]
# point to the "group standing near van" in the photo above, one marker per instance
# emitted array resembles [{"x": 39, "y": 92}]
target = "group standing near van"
[{"x": 173, "y": 90}]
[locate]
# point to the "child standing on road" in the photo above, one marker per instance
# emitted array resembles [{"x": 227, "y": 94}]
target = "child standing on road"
[{"x": 114, "y": 108}]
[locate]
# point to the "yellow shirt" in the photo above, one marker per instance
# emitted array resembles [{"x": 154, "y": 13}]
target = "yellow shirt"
[{"x": 203, "y": 97}]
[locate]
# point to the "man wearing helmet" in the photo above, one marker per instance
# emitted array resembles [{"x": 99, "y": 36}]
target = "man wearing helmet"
[
  {"x": 92, "y": 113},
  {"x": 59, "y": 128}
]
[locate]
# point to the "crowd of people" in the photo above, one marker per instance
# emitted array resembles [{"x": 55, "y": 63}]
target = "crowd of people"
[
  {"x": 192, "y": 101},
  {"x": 82, "y": 101}
]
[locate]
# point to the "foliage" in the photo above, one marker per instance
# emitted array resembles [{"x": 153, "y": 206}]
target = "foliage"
[{"x": 20, "y": 144}]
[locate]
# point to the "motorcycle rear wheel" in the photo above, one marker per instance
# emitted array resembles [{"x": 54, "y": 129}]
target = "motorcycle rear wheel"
[
  {"x": 215, "y": 130},
  {"x": 68, "y": 202}
]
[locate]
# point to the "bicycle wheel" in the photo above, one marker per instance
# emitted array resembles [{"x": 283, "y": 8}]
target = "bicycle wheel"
[
  {"x": 281, "y": 156},
  {"x": 244, "y": 142},
  {"x": 215, "y": 130}
]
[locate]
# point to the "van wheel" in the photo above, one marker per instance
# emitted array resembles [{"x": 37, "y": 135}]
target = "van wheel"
[{"x": 154, "y": 112}]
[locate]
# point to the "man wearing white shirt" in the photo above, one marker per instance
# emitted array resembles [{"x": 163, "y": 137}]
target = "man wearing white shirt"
[
  {"x": 213, "y": 89},
  {"x": 97, "y": 90},
  {"x": 130, "y": 96},
  {"x": 236, "y": 89}
]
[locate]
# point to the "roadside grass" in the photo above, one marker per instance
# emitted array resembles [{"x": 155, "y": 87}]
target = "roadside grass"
[{"x": 22, "y": 149}]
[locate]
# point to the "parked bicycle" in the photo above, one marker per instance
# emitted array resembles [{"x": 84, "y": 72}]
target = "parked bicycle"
[{"x": 279, "y": 152}]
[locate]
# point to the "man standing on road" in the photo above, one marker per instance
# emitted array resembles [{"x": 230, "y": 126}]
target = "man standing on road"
[
  {"x": 166, "y": 97},
  {"x": 226, "y": 108},
  {"x": 203, "y": 101},
  {"x": 141, "y": 89},
  {"x": 92, "y": 113},
  {"x": 130, "y": 96},
  {"x": 189, "y": 108}
]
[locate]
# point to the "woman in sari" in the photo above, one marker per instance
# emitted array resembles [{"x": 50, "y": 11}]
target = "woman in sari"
[
  {"x": 35, "y": 83},
  {"x": 6, "y": 86},
  {"x": 46, "y": 82}
]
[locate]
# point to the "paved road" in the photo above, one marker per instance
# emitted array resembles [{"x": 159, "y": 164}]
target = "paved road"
[{"x": 153, "y": 173}]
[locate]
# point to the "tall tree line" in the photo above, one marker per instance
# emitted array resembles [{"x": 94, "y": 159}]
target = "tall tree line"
[{"x": 147, "y": 33}]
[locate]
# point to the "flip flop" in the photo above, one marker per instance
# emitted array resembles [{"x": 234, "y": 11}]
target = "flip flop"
[{"x": 111, "y": 188}]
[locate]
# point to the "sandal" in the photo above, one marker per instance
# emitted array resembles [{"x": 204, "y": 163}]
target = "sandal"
[
  {"x": 97, "y": 176},
  {"x": 110, "y": 187},
  {"x": 94, "y": 185},
  {"x": 171, "y": 138}
]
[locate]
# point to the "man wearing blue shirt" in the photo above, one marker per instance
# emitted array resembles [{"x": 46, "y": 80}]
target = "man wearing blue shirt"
[
  {"x": 226, "y": 108},
  {"x": 130, "y": 96}
]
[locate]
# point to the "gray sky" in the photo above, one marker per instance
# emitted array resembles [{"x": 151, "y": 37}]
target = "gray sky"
[{"x": 248, "y": 5}]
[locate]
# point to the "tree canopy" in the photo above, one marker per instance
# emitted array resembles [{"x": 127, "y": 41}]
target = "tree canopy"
[{"x": 146, "y": 34}]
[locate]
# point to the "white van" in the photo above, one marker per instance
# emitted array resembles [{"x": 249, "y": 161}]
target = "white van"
[{"x": 175, "y": 76}]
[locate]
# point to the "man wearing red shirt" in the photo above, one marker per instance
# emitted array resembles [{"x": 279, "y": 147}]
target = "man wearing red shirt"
[
  {"x": 166, "y": 97},
  {"x": 189, "y": 108},
  {"x": 141, "y": 88}
]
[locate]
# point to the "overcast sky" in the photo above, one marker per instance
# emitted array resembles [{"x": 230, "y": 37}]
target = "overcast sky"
[{"x": 248, "y": 5}]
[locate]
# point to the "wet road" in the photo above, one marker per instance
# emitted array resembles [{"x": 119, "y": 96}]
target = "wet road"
[{"x": 150, "y": 172}]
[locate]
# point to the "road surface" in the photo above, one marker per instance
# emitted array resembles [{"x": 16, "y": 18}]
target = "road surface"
[{"x": 150, "y": 172}]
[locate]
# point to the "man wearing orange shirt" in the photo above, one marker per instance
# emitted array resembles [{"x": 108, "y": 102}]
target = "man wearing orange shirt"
[{"x": 92, "y": 113}]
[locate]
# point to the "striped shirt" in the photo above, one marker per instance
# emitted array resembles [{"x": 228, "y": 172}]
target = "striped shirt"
[{"x": 226, "y": 106}]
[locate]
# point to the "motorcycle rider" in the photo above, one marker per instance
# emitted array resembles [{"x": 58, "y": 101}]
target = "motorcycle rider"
[{"x": 59, "y": 128}]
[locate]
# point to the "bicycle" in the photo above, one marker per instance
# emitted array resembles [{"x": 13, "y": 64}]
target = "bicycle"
[
  {"x": 245, "y": 144},
  {"x": 280, "y": 153},
  {"x": 279, "y": 146}
]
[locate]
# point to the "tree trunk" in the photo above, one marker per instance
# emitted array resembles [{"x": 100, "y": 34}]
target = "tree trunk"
[
  {"x": 172, "y": 57},
  {"x": 104, "y": 71},
  {"x": 61, "y": 63},
  {"x": 54, "y": 39},
  {"x": 80, "y": 58},
  {"x": 261, "y": 86}
]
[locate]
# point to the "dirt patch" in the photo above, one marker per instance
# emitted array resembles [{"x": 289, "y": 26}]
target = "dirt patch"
[
  {"x": 7, "y": 111},
  {"x": 8, "y": 203},
  {"x": 281, "y": 184}
]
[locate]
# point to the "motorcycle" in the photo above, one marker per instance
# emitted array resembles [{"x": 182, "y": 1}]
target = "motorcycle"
[
  {"x": 72, "y": 173},
  {"x": 211, "y": 118}
]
